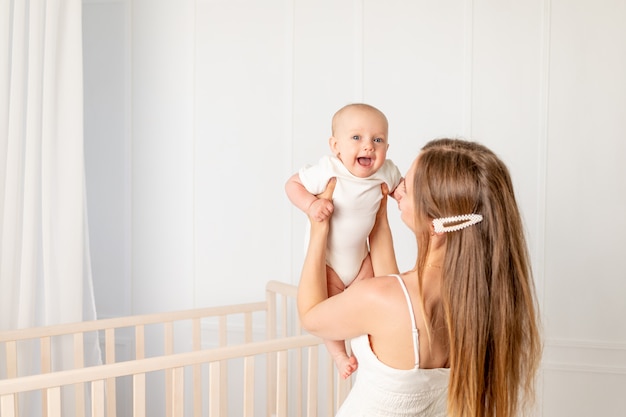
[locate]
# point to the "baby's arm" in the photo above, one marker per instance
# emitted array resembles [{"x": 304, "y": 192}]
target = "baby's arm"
[{"x": 316, "y": 208}]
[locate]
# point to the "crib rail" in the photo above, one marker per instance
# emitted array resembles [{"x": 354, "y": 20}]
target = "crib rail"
[
  {"x": 206, "y": 331},
  {"x": 277, "y": 308},
  {"x": 175, "y": 366}
]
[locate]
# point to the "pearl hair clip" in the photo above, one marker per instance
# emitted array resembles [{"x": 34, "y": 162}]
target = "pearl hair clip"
[{"x": 460, "y": 222}]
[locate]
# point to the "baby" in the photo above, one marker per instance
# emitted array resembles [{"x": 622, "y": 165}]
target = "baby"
[{"x": 360, "y": 164}]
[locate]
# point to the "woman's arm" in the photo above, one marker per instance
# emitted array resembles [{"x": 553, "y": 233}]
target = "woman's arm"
[
  {"x": 348, "y": 314},
  {"x": 382, "y": 252}
]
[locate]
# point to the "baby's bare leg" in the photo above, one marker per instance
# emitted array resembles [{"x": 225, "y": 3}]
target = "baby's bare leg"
[{"x": 346, "y": 365}]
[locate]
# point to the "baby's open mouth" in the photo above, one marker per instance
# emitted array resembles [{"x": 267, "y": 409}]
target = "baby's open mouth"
[{"x": 365, "y": 161}]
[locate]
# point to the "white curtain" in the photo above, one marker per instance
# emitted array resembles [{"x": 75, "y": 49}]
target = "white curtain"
[{"x": 45, "y": 275}]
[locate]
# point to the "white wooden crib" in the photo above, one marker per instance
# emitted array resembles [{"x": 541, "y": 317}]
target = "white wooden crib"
[{"x": 200, "y": 362}]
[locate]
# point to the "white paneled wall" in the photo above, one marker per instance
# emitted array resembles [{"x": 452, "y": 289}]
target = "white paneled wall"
[
  {"x": 197, "y": 111},
  {"x": 585, "y": 240}
]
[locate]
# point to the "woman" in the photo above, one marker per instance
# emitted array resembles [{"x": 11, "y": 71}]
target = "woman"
[{"x": 457, "y": 335}]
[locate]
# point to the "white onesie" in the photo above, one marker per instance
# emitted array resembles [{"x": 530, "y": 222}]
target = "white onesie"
[{"x": 356, "y": 201}]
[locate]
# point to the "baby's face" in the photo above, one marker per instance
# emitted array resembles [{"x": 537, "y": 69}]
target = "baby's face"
[{"x": 360, "y": 141}]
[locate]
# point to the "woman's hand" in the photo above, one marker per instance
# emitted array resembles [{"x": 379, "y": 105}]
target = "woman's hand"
[
  {"x": 322, "y": 209},
  {"x": 382, "y": 252},
  {"x": 382, "y": 210}
]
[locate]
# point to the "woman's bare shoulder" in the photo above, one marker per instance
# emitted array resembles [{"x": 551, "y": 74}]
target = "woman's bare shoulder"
[{"x": 383, "y": 289}]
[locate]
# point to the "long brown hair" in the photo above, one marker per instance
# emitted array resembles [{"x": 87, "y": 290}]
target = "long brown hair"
[{"x": 488, "y": 295}]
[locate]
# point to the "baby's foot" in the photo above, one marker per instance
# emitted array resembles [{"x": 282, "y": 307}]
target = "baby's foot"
[{"x": 345, "y": 364}]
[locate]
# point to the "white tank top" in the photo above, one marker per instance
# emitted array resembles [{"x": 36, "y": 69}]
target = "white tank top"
[{"x": 383, "y": 391}]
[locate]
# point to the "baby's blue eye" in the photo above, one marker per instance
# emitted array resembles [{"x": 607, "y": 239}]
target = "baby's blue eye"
[
  {"x": 356, "y": 137},
  {"x": 379, "y": 140}
]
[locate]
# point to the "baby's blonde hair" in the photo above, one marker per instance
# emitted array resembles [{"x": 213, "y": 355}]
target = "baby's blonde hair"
[{"x": 361, "y": 106}]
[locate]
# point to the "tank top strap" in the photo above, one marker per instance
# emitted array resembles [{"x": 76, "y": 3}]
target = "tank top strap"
[{"x": 414, "y": 326}]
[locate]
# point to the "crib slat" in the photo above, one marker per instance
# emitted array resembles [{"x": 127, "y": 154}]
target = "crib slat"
[
  {"x": 342, "y": 390},
  {"x": 109, "y": 345},
  {"x": 8, "y": 405},
  {"x": 330, "y": 387},
  {"x": 109, "y": 353},
  {"x": 281, "y": 384},
  {"x": 298, "y": 382},
  {"x": 168, "y": 344},
  {"x": 248, "y": 386},
  {"x": 54, "y": 401},
  {"x": 44, "y": 347},
  {"x": 312, "y": 380},
  {"x": 223, "y": 341},
  {"x": 223, "y": 331},
  {"x": 139, "y": 395},
  {"x": 79, "y": 362},
  {"x": 283, "y": 315},
  {"x": 46, "y": 367},
  {"x": 140, "y": 341},
  {"x": 215, "y": 394},
  {"x": 197, "y": 369},
  {"x": 270, "y": 334},
  {"x": 79, "y": 351},
  {"x": 11, "y": 354},
  {"x": 247, "y": 327},
  {"x": 178, "y": 389},
  {"x": 97, "y": 398}
]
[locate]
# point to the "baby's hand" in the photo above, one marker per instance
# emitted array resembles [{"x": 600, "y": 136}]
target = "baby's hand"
[{"x": 320, "y": 210}]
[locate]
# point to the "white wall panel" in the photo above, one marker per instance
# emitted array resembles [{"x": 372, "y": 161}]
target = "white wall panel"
[
  {"x": 242, "y": 80},
  {"x": 585, "y": 285},
  {"x": 586, "y": 227},
  {"x": 162, "y": 154},
  {"x": 583, "y": 393}
]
